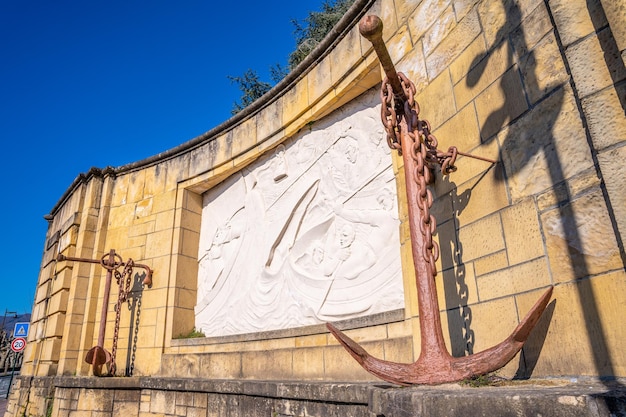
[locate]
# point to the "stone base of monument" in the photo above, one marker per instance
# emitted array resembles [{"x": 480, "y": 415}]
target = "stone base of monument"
[{"x": 153, "y": 396}]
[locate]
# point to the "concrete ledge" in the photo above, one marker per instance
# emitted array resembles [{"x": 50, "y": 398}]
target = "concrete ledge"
[
  {"x": 387, "y": 317},
  {"x": 550, "y": 397},
  {"x": 554, "y": 398}
]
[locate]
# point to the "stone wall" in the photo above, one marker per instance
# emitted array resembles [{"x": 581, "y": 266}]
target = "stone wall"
[
  {"x": 537, "y": 85},
  {"x": 174, "y": 397}
]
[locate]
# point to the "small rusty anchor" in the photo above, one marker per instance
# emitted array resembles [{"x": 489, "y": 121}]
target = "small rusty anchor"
[
  {"x": 419, "y": 151},
  {"x": 98, "y": 356}
]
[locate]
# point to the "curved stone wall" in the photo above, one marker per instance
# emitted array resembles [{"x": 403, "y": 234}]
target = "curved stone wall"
[{"x": 536, "y": 85}]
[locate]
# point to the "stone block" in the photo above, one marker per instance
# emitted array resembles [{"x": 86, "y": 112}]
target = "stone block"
[
  {"x": 465, "y": 61},
  {"x": 313, "y": 340},
  {"x": 498, "y": 19},
  {"x": 446, "y": 238},
  {"x": 500, "y": 104},
  {"x": 276, "y": 364},
  {"x": 480, "y": 196},
  {"x": 436, "y": 33},
  {"x": 222, "y": 366},
  {"x": 414, "y": 67},
  {"x": 437, "y": 101},
  {"x": 244, "y": 136},
  {"x": 399, "y": 329},
  {"x": 514, "y": 280},
  {"x": 308, "y": 363},
  {"x": 340, "y": 366},
  {"x": 345, "y": 55},
  {"x": 491, "y": 263},
  {"x": 605, "y": 117},
  {"x": 55, "y": 325},
  {"x": 95, "y": 400},
  {"x": 461, "y": 130},
  {"x": 319, "y": 80},
  {"x": 399, "y": 45},
  {"x": 543, "y": 69},
  {"x": 424, "y": 16},
  {"x": 580, "y": 239},
  {"x": 125, "y": 409},
  {"x": 482, "y": 238},
  {"x": 522, "y": 233},
  {"x": 544, "y": 148},
  {"x": 456, "y": 287},
  {"x": 136, "y": 183},
  {"x": 485, "y": 69},
  {"x": 612, "y": 166},
  {"x": 492, "y": 322},
  {"x": 295, "y": 101},
  {"x": 163, "y": 402},
  {"x": 583, "y": 330},
  {"x": 269, "y": 120},
  {"x": 593, "y": 68},
  {"x": 399, "y": 350},
  {"x": 573, "y": 19},
  {"x": 565, "y": 191}
]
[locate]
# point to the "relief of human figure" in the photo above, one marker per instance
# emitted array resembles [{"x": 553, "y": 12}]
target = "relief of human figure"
[{"x": 219, "y": 256}]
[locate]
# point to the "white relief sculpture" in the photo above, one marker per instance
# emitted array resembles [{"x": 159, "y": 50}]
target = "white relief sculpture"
[
  {"x": 279, "y": 164},
  {"x": 307, "y": 234}
]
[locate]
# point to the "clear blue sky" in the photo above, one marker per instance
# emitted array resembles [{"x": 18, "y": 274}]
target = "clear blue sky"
[{"x": 105, "y": 83}]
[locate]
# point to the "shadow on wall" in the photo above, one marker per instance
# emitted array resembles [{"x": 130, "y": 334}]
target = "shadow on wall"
[
  {"x": 519, "y": 149},
  {"x": 134, "y": 306},
  {"x": 454, "y": 282}
]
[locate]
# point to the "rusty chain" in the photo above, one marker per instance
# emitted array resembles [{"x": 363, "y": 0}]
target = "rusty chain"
[
  {"x": 424, "y": 152},
  {"x": 135, "y": 336},
  {"x": 123, "y": 280}
]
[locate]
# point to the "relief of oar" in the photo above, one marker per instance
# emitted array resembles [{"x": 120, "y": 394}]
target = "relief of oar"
[{"x": 434, "y": 365}]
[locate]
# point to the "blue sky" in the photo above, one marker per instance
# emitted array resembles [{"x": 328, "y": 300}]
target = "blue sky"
[{"x": 93, "y": 84}]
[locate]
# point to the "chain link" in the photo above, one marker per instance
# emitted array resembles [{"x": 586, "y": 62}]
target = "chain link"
[
  {"x": 135, "y": 337},
  {"x": 123, "y": 280},
  {"x": 425, "y": 154}
]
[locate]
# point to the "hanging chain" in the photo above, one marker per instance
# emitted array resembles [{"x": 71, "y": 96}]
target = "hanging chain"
[
  {"x": 123, "y": 280},
  {"x": 135, "y": 336},
  {"x": 423, "y": 151}
]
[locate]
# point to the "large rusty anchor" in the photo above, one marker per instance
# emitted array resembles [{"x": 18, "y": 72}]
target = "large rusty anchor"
[
  {"x": 420, "y": 154},
  {"x": 98, "y": 356}
]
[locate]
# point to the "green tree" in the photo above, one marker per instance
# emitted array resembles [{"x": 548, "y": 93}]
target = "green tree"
[
  {"x": 251, "y": 89},
  {"x": 308, "y": 35},
  {"x": 315, "y": 27}
]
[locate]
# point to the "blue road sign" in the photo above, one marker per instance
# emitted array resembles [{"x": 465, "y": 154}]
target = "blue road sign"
[{"x": 21, "y": 329}]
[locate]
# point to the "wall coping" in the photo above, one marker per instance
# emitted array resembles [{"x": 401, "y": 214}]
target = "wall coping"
[{"x": 339, "y": 31}]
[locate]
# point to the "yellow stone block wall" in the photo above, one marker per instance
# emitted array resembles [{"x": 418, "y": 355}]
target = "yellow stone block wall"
[{"x": 523, "y": 82}]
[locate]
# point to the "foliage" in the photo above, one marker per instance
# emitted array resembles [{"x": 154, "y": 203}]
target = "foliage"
[
  {"x": 191, "y": 335},
  {"x": 491, "y": 379},
  {"x": 251, "y": 89},
  {"x": 50, "y": 406},
  {"x": 315, "y": 27},
  {"x": 308, "y": 34}
]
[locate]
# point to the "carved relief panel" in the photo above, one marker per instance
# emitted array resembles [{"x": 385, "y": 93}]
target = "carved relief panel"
[{"x": 306, "y": 234}]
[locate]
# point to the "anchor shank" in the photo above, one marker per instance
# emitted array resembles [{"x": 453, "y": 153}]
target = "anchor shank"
[
  {"x": 432, "y": 342},
  {"x": 433, "y": 346}
]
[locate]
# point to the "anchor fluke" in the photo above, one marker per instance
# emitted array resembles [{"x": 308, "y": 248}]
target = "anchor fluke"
[{"x": 439, "y": 367}]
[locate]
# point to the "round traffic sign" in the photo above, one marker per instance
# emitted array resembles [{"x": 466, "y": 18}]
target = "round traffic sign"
[{"x": 18, "y": 344}]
